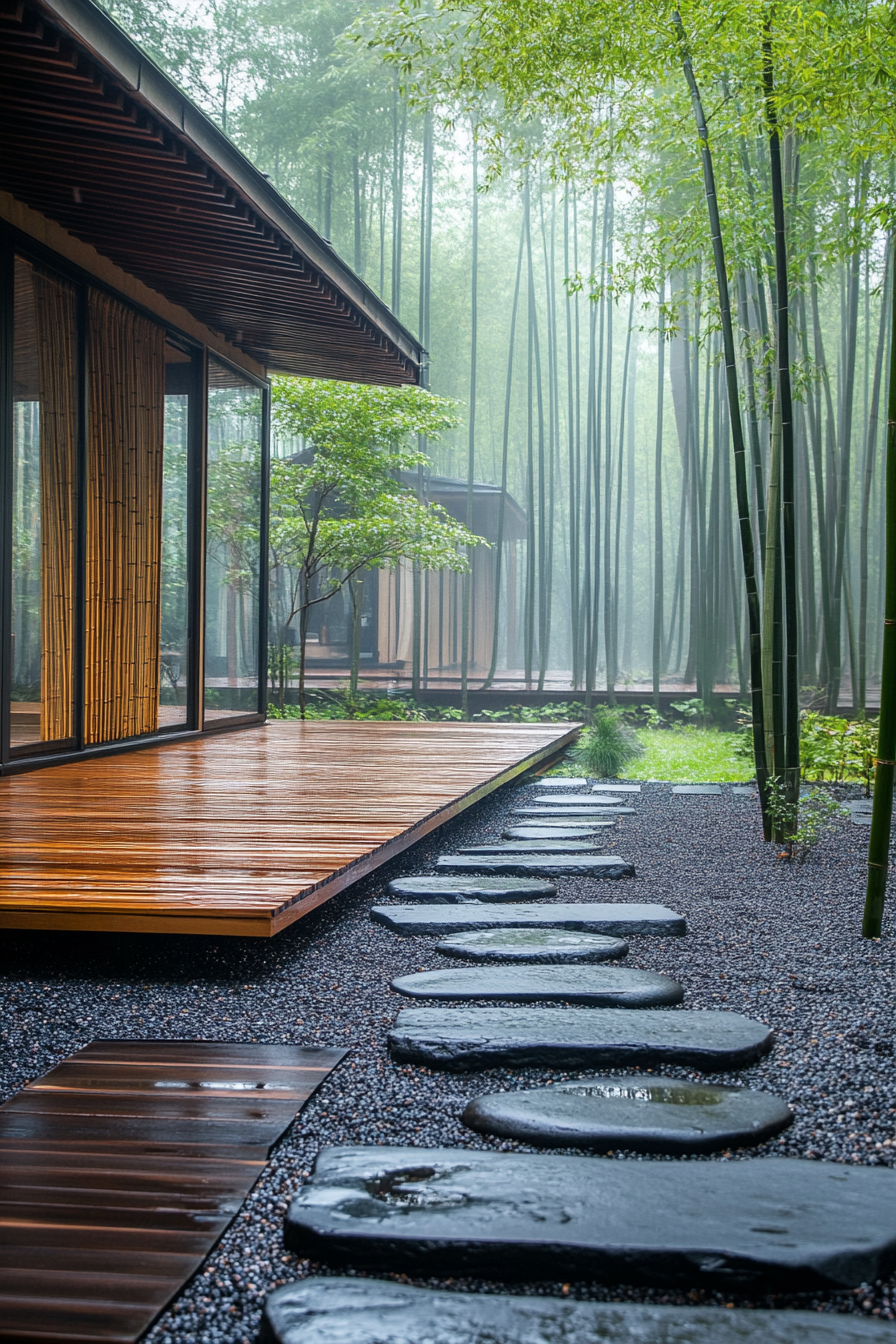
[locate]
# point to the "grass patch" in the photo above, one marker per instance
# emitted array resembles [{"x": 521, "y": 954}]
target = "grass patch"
[{"x": 690, "y": 756}]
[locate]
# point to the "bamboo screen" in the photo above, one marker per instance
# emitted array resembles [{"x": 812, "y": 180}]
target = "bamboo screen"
[
  {"x": 55, "y": 307},
  {"x": 124, "y": 516}
]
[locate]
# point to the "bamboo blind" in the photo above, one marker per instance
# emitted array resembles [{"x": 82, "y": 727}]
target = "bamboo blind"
[
  {"x": 54, "y": 302},
  {"x": 124, "y": 522}
]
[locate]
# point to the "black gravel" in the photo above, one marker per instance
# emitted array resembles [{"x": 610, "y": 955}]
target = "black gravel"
[{"x": 780, "y": 943}]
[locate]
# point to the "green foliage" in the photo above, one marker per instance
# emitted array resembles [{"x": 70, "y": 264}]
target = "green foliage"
[
  {"x": 608, "y": 745},
  {"x": 574, "y": 712},
  {"x": 838, "y": 749},
  {"x": 804, "y": 822},
  {"x": 689, "y": 755}
]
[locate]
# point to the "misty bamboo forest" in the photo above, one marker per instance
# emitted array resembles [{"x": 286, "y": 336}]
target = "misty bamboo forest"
[{"x": 448, "y": 671}]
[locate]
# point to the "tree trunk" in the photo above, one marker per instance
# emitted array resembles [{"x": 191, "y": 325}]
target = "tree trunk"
[
  {"x": 658, "y": 577},
  {"x": 879, "y": 843},
  {"x": 471, "y": 438},
  {"x": 867, "y": 478},
  {"x": 737, "y": 433}
]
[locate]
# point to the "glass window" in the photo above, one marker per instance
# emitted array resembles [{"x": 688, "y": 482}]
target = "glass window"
[
  {"x": 44, "y": 507},
  {"x": 233, "y": 544},
  {"x": 173, "y": 652}
]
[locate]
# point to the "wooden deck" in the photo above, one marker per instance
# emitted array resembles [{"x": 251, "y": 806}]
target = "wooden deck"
[
  {"x": 121, "y": 1168},
  {"x": 241, "y": 833}
]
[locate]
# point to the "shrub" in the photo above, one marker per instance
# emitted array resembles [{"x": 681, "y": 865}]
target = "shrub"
[
  {"x": 608, "y": 746},
  {"x": 837, "y": 749},
  {"x": 804, "y": 823}
]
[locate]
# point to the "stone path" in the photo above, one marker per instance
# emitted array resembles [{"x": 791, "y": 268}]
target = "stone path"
[
  {"x": 757, "y": 1224},
  {"x": 608, "y": 800},
  {"x": 445, "y": 890},
  {"x": 596, "y": 986},
  {"x": 571, "y": 782},
  {"x": 559, "y": 946},
  {"x": 615, "y": 788},
  {"x": 370, "y": 1311},
  {"x": 615, "y": 917},
  {"x": 686, "y": 789},
  {"x": 639, "y": 1112},
  {"x": 538, "y": 865},
  {"x": 575, "y": 1038},
  {"x": 584, "y": 810},
  {"x": 562, "y": 846}
]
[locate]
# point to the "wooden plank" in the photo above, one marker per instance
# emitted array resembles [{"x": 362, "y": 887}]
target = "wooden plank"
[
  {"x": 243, "y": 833},
  {"x": 115, "y": 1184}
]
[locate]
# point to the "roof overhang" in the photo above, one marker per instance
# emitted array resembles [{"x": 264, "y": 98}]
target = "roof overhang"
[{"x": 98, "y": 139}]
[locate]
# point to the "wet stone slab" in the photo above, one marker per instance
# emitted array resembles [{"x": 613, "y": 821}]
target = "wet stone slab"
[
  {"x": 539, "y": 865},
  {"x": 686, "y": 789},
  {"x": 759, "y": 1224},
  {"x": 618, "y": 918},
  {"x": 640, "y": 1112},
  {"x": 546, "y": 946},
  {"x": 548, "y": 798},
  {"x": 596, "y": 986},
  {"x": 370, "y": 1311},
  {"x": 576, "y": 1038},
  {"x": 445, "y": 889},
  {"x": 570, "y": 782},
  {"x": 581, "y": 810},
  {"x": 559, "y": 831},
  {"x": 615, "y": 788},
  {"x": 562, "y": 846}
]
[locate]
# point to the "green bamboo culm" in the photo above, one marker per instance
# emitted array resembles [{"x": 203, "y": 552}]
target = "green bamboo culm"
[{"x": 879, "y": 843}]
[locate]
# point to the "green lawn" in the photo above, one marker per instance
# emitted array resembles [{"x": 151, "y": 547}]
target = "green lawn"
[{"x": 689, "y": 756}]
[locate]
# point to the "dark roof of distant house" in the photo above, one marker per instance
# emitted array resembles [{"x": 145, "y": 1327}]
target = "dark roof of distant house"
[
  {"x": 98, "y": 139},
  {"x": 451, "y": 493}
]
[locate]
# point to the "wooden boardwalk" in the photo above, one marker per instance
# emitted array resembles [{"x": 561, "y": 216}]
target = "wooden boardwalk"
[
  {"x": 122, "y": 1167},
  {"x": 241, "y": 833}
]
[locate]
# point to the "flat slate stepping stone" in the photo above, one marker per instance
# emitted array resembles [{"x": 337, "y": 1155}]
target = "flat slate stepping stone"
[
  {"x": 370, "y": 1311},
  {"x": 745, "y": 792},
  {"x": 562, "y": 846},
  {"x": 696, "y": 788},
  {"x": 640, "y": 1112},
  {"x": 539, "y": 865},
  {"x": 559, "y": 832},
  {"x": 569, "y": 782},
  {"x": 576, "y": 1038},
  {"x": 615, "y": 788},
  {"x": 756, "y": 1225},
  {"x": 581, "y": 811},
  {"x": 607, "y": 800},
  {"x": 444, "y": 889},
  {"x": 555, "y": 946},
  {"x": 612, "y": 917},
  {"x": 597, "y": 986}
]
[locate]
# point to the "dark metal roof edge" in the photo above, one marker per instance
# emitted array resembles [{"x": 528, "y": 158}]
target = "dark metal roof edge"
[{"x": 93, "y": 28}]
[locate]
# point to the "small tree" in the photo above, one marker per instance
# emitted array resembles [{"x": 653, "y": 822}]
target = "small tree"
[{"x": 339, "y": 506}]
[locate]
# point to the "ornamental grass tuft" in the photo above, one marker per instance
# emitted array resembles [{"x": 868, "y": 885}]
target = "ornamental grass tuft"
[{"x": 606, "y": 748}]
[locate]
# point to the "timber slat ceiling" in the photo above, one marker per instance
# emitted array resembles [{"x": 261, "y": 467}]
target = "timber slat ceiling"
[
  {"x": 122, "y": 1167},
  {"x": 84, "y": 150},
  {"x": 245, "y": 832}
]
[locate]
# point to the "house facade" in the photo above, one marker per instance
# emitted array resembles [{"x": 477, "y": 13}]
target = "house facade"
[{"x": 150, "y": 280}]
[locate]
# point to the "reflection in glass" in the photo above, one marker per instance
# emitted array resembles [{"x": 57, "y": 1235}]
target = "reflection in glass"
[
  {"x": 43, "y": 514},
  {"x": 173, "y": 659},
  {"x": 233, "y": 544}
]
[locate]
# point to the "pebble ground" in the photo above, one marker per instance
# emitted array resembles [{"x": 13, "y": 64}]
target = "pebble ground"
[{"x": 780, "y": 943}]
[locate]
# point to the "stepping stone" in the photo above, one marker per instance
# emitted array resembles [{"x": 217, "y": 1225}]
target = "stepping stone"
[
  {"x": 581, "y": 812},
  {"x": 576, "y": 1038},
  {"x": 371, "y": 1311},
  {"x": 639, "y": 1112},
  {"x": 696, "y": 788},
  {"x": 744, "y": 792},
  {"x": 760, "y": 1224},
  {"x": 551, "y": 801},
  {"x": 559, "y": 832},
  {"x": 615, "y": 788},
  {"x": 860, "y": 805},
  {"x": 444, "y": 889},
  {"x": 597, "y": 986},
  {"x": 570, "y": 782},
  {"x": 557, "y": 946},
  {"x": 539, "y": 865},
  {"x": 532, "y": 847},
  {"x": 618, "y": 918}
]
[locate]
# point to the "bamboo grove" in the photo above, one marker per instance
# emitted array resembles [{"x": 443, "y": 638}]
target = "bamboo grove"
[{"x": 650, "y": 252}]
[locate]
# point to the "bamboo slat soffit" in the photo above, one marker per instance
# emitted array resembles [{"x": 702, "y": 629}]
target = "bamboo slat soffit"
[
  {"x": 242, "y": 833},
  {"x": 123, "y": 1166},
  {"x": 96, "y": 138}
]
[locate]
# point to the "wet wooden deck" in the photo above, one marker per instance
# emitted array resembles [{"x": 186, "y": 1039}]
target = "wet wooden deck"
[
  {"x": 242, "y": 833},
  {"x": 121, "y": 1168}
]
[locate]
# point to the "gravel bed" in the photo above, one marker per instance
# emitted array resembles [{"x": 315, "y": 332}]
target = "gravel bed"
[{"x": 781, "y": 943}]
